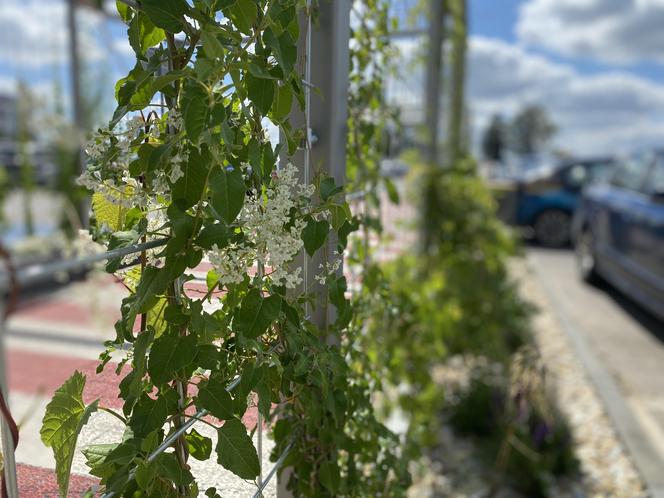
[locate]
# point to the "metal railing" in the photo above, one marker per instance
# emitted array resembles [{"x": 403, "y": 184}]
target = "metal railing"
[{"x": 11, "y": 282}]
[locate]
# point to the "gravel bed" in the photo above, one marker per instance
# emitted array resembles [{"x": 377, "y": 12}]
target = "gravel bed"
[{"x": 607, "y": 470}]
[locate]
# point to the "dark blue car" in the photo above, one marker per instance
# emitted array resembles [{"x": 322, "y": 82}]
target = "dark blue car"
[
  {"x": 619, "y": 230},
  {"x": 544, "y": 199}
]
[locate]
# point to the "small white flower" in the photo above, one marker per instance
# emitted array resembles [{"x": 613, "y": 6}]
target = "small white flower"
[{"x": 176, "y": 172}]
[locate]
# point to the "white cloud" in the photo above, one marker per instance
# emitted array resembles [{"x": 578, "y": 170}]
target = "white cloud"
[
  {"x": 33, "y": 34},
  {"x": 600, "y": 113},
  {"x": 616, "y": 31}
]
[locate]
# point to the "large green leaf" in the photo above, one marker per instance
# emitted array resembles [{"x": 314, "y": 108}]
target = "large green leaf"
[
  {"x": 214, "y": 397},
  {"x": 243, "y": 13},
  {"x": 236, "y": 451},
  {"x": 111, "y": 214},
  {"x": 149, "y": 414},
  {"x": 256, "y": 313},
  {"x": 228, "y": 192},
  {"x": 168, "y": 466},
  {"x": 167, "y": 14},
  {"x": 153, "y": 283},
  {"x": 284, "y": 49},
  {"x": 314, "y": 235},
  {"x": 143, "y": 34},
  {"x": 170, "y": 354},
  {"x": 65, "y": 415},
  {"x": 211, "y": 44},
  {"x": 283, "y": 102},
  {"x": 189, "y": 189},
  {"x": 261, "y": 92},
  {"x": 195, "y": 102},
  {"x": 200, "y": 447}
]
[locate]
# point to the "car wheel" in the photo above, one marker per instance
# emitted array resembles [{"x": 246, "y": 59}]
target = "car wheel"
[
  {"x": 586, "y": 263},
  {"x": 552, "y": 228}
]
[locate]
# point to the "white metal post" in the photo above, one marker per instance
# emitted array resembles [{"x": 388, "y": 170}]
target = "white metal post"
[
  {"x": 324, "y": 62},
  {"x": 434, "y": 78}
]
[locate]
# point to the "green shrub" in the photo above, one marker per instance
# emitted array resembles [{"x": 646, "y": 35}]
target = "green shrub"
[
  {"x": 452, "y": 296},
  {"x": 517, "y": 425}
]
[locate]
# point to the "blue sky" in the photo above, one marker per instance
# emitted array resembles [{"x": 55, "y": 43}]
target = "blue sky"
[
  {"x": 596, "y": 65},
  {"x": 498, "y": 19}
]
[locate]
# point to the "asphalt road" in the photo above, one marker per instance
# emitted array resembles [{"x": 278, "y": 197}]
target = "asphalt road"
[{"x": 622, "y": 347}]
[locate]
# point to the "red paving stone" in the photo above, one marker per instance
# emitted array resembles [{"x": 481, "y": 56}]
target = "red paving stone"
[
  {"x": 36, "y": 373},
  {"x": 37, "y": 482}
]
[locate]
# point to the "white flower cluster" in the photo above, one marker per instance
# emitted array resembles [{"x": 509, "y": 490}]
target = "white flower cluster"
[
  {"x": 271, "y": 239},
  {"x": 111, "y": 177},
  {"x": 327, "y": 270}
]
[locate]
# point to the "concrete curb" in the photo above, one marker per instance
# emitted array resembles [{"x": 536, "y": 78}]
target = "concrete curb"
[{"x": 645, "y": 457}]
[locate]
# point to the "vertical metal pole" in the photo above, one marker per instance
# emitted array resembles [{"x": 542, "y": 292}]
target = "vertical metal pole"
[
  {"x": 328, "y": 113},
  {"x": 323, "y": 60},
  {"x": 77, "y": 101},
  {"x": 434, "y": 78},
  {"x": 455, "y": 130},
  {"x": 7, "y": 439}
]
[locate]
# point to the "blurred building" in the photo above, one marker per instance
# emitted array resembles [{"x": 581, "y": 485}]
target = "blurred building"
[{"x": 39, "y": 156}]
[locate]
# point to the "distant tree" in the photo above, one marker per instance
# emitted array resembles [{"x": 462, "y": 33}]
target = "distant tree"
[
  {"x": 530, "y": 130},
  {"x": 494, "y": 141}
]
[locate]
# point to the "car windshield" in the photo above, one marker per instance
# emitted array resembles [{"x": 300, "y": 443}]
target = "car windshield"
[{"x": 630, "y": 172}]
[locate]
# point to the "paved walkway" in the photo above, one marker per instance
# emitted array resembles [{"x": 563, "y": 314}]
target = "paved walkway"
[{"x": 622, "y": 348}]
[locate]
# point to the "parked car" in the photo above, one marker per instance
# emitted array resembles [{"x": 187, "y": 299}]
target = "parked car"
[
  {"x": 544, "y": 199},
  {"x": 618, "y": 231}
]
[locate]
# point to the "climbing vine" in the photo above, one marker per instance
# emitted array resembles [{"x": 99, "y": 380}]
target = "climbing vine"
[{"x": 186, "y": 160}]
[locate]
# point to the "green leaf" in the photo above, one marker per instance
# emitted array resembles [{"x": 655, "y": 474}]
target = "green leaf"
[
  {"x": 96, "y": 456},
  {"x": 236, "y": 451},
  {"x": 228, "y": 192},
  {"x": 256, "y": 313},
  {"x": 145, "y": 475},
  {"x": 216, "y": 234},
  {"x": 283, "y": 103},
  {"x": 109, "y": 213},
  {"x": 195, "y": 102},
  {"x": 314, "y": 235},
  {"x": 170, "y": 354},
  {"x": 214, "y": 397},
  {"x": 149, "y": 414},
  {"x": 153, "y": 283},
  {"x": 65, "y": 415},
  {"x": 200, "y": 447},
  {"x": 211, "y": 45},
  {"x": 243, "y": 13},
  {"x": 392, "y": 192},
  {"x": 261, "y": 92},
  {"x": 168, "y": 466},
  {"x": 143, "y": 34},
  {"x": 284, "y": 49},
  {"x": 339, "y": 214},
  {"x": 167, "y": 14},
  {"x": 251, "y": 376},
  {"x": 328, "y": 473},
  {"x": 189, "y": 189},
  {"x": 328, "y": 188},
  {"x": 161, "y": 81},
  {"x": 124, "y": 11},
  {"x": 135, "y": 90}
]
